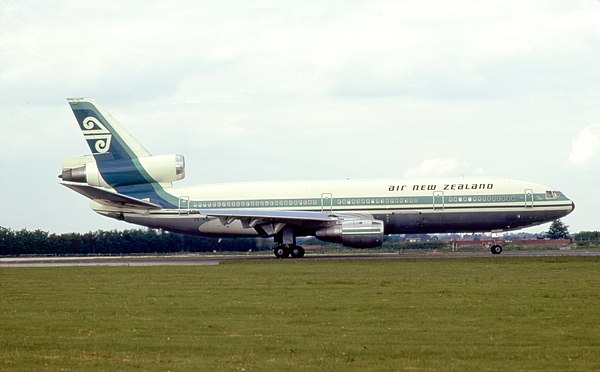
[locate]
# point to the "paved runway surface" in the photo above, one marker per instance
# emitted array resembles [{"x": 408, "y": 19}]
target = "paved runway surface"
[{"x": 215, "y": 260}]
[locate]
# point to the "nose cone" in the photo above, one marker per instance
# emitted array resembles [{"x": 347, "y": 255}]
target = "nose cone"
[{"x": 569, "y": 208}]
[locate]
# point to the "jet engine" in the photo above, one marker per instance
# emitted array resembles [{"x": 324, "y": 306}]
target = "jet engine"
[
  {"x": 159, "y": 168},
  {"x": 354, "y": 233}
]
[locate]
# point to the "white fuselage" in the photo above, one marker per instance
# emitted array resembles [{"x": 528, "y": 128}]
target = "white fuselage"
[{"x": 405, "y": 206}]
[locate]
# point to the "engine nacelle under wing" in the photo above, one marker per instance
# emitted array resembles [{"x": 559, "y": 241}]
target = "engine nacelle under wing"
[
  {"x": 356, "y": 233},
  {"x": 160, "y": 169}
]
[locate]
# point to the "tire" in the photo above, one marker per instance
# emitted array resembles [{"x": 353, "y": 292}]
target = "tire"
[
  {"x": 496, "y": 249},
  {"x": 296, "y": 251},
  {"x": 281, "y": 251}
]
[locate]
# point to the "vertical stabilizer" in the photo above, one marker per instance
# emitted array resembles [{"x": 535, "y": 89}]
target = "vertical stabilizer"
[
  {"x": 105, "y": 137},
  {"x": 118, "y": 160}
]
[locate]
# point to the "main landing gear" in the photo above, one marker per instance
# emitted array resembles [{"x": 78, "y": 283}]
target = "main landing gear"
[
  {"x": 285, "y": 244},
  {"x": 496, "y": 249},
  {"x": 288, "y": 250}
]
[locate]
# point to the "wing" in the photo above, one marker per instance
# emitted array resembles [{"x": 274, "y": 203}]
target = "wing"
[
  {"x": 269, "y": 223},
  {"x": 111, "y": 198}
]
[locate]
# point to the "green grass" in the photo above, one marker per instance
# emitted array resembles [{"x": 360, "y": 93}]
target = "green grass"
[{"x": 493, "y": 313}]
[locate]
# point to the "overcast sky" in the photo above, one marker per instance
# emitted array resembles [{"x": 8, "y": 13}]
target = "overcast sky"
[{"x": 280, "y": 90}]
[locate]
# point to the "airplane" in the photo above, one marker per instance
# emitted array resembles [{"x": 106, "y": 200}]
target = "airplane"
[{"x": 126, "y": 182}]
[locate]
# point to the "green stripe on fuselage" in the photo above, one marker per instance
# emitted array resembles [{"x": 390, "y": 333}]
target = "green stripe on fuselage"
[{"x": 464, "y": 201}]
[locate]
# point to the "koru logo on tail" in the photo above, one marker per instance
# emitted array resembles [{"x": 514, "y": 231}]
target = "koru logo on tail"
[{"x": 94, "y": 130}]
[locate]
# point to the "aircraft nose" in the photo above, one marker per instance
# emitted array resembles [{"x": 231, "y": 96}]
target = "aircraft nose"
[{"x": 572, "y": 206}]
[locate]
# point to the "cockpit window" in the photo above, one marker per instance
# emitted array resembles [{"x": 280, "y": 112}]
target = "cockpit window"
[{"x": 552, "y": 194}]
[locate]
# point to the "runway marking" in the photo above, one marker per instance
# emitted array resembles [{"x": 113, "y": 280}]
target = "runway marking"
[{"x": 93, "y": 261}]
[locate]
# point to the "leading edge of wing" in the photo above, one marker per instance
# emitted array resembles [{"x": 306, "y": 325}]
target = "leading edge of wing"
[{"x": 110, "y": 198}]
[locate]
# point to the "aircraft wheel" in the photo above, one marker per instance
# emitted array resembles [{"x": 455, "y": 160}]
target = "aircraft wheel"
[
  {"x": 496, "y": 249},
  {"x": 296, "y": 251},
  {"x": 281, "y": 251}
]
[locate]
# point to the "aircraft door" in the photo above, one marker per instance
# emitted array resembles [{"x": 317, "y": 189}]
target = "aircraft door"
[
  {"x": 184, "y": 205},
  {"x": 326, "y": 202},
  {"x": 528, "y": 198},
  {"x": 438, "y": 200}
]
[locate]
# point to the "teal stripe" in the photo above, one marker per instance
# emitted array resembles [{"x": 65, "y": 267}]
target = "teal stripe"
[{"x": 376, "y": 202}]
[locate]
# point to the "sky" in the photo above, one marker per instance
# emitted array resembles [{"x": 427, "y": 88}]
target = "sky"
[{"x": 285, "y": 90}]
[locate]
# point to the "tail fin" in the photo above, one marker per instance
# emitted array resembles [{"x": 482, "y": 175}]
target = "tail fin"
[
  {"x": 119, "y": 161},
  {"x": 105, "y": 137}
]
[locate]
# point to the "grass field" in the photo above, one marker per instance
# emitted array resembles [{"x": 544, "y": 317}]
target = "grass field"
[{"x": 488, "y": 313}]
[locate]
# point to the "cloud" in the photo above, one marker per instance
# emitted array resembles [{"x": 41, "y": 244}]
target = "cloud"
[
  {"x": 585, "y": 145},
  {"x": 479, "y": 58},
  {"x": 434, "y": 168},
  {"x": 255, "y": 90}
]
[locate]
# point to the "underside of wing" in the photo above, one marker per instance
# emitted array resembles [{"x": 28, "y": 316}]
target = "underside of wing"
[
  {"x": 268, "y": 223},
  {"x": 111, "y": 198},
  {"x": 351, "y": 229}
]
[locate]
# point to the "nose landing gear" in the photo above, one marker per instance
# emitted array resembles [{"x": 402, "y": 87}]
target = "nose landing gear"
[{"x": 496, "y": 249}]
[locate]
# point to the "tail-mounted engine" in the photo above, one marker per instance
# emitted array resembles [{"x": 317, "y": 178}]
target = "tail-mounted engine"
[
  {"x": 354, "y": 233},
  {"x": 159, "y": 169}
]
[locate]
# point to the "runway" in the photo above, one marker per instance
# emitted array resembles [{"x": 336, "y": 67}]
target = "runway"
[{"x": 196, "y": 260}]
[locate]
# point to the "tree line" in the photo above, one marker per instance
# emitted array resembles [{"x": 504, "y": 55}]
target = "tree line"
[
  {"x": 588, "y": 237},
  {"x": 114, "y": 242},
  {"x": 38, "y": 242}
]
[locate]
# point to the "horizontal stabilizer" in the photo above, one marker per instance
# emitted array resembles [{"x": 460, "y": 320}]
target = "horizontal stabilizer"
[{"x": 110, "y": 198}]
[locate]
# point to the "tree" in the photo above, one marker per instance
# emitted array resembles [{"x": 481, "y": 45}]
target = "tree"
[
  {"x": 558, "y": 230},
  {"x": 587, "y": 237}
]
